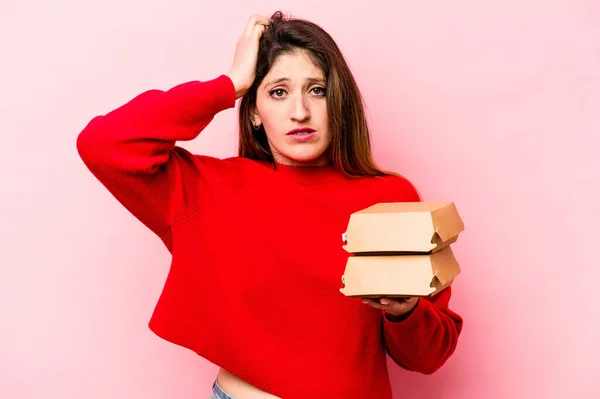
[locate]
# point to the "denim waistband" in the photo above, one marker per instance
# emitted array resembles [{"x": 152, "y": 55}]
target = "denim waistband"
[{"x": 218, "y": 393}]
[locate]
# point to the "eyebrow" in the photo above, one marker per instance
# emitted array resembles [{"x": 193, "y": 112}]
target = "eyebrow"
[{"x": 310, "y": 80}]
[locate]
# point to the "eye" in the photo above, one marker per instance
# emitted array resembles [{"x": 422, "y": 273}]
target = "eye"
[
  {"x": 277, "y": 93},
  {"x": 320, "y": 91}
]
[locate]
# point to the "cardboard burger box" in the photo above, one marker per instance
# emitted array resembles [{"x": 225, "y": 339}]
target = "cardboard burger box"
[{"x": 401, "y": 249}]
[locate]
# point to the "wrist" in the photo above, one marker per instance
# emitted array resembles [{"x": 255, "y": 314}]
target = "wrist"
[
  {"x": 401, "y": 317},
  {"x": 239, "y": 89}
]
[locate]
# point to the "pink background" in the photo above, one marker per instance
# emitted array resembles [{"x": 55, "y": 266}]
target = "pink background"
[{"x": 492, "y": 104}]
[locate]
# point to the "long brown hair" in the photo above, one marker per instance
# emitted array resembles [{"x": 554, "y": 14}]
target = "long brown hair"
[{"x": 350, "y": 148}]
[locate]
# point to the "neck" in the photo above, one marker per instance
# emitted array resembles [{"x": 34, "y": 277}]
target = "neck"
[{"x": 281, "y": 160}]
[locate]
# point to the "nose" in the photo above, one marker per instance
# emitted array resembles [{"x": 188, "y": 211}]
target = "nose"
[{"x": 300, "y": 111}]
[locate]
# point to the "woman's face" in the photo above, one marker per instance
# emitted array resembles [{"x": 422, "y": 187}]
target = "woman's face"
[{"x": 291, "y": 106}]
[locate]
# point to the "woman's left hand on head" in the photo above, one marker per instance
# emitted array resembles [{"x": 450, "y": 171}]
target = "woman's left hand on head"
[{"x": 394, "y": 307}]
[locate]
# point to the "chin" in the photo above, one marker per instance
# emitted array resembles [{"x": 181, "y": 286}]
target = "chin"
[{"x": 306, "y": 158}]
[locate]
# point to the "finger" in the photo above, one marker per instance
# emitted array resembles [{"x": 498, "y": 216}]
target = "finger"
[
  {"x": 261, "y": 19},
  {"x": 400, "y": 301},
  {"x": 258, "y": 30},
  {"x": 400, "y": 306},
  {"x": 255, "y": 20},
  {"x": 250, "y": 25},
  {"x": 396, "y": 305},
  {"x": 391, "y": 305},
  {"x": 376, "y": 303}
]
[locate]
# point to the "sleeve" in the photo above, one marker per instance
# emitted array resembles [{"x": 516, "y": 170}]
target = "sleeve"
[
  {"x": 132, "y": 151},
  {"x": 427, "y": 337},
  {"x": 424, "y": 339}
]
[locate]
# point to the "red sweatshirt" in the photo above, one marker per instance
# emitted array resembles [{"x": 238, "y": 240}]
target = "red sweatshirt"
[{"x": 257, "y": 254}]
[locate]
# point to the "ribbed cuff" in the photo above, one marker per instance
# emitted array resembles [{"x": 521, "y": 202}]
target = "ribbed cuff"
[
  {"x": 193, "y": 101},
  {"x": 224, "y": 86}
]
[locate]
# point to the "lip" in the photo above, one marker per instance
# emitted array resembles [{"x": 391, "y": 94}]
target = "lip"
[
  {"x": 301, "y": 138},
  {"x": 301, "y": 130},
  {"x": 308, "y": 134}
]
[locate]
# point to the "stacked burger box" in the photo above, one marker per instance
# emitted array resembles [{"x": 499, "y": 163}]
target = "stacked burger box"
[{"x": 401, "y": 249}]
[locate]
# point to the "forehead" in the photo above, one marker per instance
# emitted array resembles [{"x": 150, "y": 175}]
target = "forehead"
[{"x": 296, "y": 66}]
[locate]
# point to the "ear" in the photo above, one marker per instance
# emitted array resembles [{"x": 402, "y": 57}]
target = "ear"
[{"x": 255, "y": 116}]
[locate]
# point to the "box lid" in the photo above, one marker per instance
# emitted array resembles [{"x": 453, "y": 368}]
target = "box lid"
[{"x": 403, "y": 227}]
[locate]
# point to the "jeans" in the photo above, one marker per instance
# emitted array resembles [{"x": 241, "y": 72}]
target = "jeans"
[{"x": 218, "y": 393}]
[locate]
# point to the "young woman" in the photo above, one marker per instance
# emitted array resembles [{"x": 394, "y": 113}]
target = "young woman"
[{"x": 255, "y": 239}]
